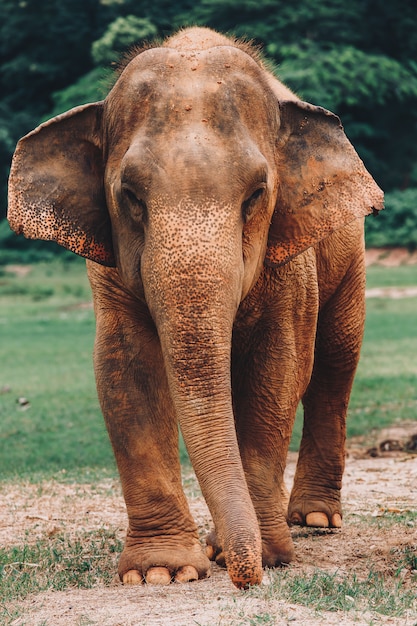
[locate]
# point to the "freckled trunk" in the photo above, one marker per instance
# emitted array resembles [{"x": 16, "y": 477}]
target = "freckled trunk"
[{"x": 194, "y": 303}]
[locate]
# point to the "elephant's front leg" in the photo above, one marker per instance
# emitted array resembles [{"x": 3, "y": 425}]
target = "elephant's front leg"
[
  {"x": 266, "y": 401},
  {"x": 162, "y": 541},
  {"x": 272, "y": 362}
]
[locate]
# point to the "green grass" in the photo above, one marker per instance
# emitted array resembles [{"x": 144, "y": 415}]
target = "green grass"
[
  {"x": 47, "y": 334},
  {"x": 387, "y": 519},
  {"x": 61, "y": 562},
  {"x": 401, "y": 276},
  {"x": 385, "y": 387},
  {"x": 340, "y": 591},
  {"x": 56, "y": 563}
]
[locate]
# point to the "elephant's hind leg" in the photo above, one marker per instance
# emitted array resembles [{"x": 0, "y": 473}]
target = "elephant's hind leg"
[
  {"x": 162, "y": 540},
  {"x": 315, "y": 498}
]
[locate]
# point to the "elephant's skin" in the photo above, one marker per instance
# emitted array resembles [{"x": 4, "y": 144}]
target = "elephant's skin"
[{"x": 223, "y": 222}]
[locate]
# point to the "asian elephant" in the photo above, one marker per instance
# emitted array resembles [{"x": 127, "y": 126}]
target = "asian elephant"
[{"x": 223, "y": 222}]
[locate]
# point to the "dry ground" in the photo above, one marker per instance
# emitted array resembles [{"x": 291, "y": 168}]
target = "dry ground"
[{"x": 377, "y": 481}]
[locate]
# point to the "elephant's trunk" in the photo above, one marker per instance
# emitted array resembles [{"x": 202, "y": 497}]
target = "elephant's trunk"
[
  {"x": 193, "y": 297},
  {"x": 200, "y": 387}
]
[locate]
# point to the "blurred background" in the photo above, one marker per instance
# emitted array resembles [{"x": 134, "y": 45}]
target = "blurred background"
[{"x": 355, "y": 58}]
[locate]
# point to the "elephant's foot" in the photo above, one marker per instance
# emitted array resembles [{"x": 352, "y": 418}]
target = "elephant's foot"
[
  {"x": 276, "y": 550},
  {"x": 214, "y": 550},
  {"x": 161, "y": 566},
  {"x": 316, "y": 519},
  {"x": 161, "y": 576},
  {"x": 314, "y": 513}
]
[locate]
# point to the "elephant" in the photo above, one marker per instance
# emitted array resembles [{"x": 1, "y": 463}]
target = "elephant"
[{"x": 222, "y": 219}]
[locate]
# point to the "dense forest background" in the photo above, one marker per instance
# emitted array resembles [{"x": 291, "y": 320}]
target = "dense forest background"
[{"x": 357, "y": 58}]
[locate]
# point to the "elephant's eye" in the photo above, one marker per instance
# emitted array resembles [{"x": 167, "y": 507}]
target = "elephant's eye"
[
  {"x": 137, "y": 207},
  {"x": 249, "y": 205}
]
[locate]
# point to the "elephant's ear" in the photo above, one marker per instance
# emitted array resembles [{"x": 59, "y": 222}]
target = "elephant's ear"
[
  {"x": 323, "y": 184},
  {"x": 56, "y": 187}
]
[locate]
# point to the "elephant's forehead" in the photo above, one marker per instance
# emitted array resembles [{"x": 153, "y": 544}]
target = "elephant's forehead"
[
  {"x": 218, "y": 61},
  {"x": 218, "y": 80}
]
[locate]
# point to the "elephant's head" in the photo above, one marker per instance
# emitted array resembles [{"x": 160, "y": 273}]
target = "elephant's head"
[{"x": 189, "y": 177}]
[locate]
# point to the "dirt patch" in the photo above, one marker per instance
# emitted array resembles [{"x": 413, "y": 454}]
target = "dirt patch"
[
  {"x": 375, "y": 488},
  {"x": 390, "y": 257},
  {"x": 395, "y": 293},
  {"x": 19, "y": 270}
]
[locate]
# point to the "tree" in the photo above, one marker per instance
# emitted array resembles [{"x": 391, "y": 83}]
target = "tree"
[
  {"x": 119, "y": 35},
  {"x": 356, "y": 58},
  {"x": 44, "y": 46}
]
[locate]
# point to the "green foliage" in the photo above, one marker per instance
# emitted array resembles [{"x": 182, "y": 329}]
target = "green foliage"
[
  {"x": 397, "y": 224},
  {"x": 279, "y": 22},
  {"x": 120, "y": 35},
  {"x": 44, "y": 47},
  {"x": 91, "y": 87},
  {"x": 345, "y": 77},
  {"x": 356, "y": 58}
]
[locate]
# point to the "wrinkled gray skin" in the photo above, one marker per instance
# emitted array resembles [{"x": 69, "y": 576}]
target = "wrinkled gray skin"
[{"x": 223, "y": 222}]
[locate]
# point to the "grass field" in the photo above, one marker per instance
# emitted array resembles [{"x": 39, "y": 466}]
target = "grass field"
[
  {"x": 52, "y": 433},
  {"x": 47, "y": 334},
  {"x": 50, "y": 421}
]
